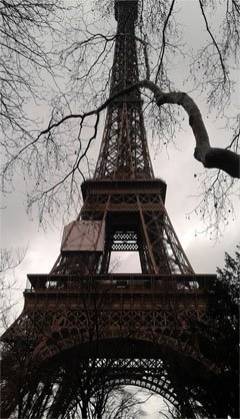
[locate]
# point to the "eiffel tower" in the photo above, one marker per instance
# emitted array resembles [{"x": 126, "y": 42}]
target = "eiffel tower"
[{"x": 85, "y": 330}]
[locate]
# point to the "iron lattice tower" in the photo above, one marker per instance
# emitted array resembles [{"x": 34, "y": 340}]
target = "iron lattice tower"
[{"x": 84, "y": 330}]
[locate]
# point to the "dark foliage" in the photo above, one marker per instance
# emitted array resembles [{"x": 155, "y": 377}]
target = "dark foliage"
[{"x": 219, "y": 336}]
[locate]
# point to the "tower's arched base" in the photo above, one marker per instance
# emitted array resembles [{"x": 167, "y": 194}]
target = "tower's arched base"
[{"x": 87, "y": 373}]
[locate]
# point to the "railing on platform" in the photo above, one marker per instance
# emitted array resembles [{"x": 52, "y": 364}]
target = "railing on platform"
[{"x": 125, "y": 282}]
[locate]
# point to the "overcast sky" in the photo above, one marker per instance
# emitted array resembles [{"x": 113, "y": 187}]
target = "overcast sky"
[{"x": 177, "y": 167}]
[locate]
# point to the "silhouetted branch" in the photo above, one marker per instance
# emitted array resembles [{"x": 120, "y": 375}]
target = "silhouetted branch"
[
  {"x": 85, "y": 60},
  {"x": 214, "y": 41},
  {"x": 163, "y": 46},
  {"x": 210, "y": 157},
  {"x": 10, "y": 259}
]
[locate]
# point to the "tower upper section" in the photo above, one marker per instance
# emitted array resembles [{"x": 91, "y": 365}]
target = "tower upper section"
[
  {"x": 123, "y": 7},
  {"x": 125, "y": 66},
  {"x": 124, "y": 151}
]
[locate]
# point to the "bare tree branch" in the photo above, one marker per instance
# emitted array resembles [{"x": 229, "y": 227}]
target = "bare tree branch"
[
  {"x": 210, "y": 157},
  {"x": 164, "y": 40},
  {"x": 10, "y": 259},
  {"x": 214, "y": 41},
  {"x": 85, "y": 56}
]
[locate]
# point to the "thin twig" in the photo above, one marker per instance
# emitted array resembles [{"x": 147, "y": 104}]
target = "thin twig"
[
  {"x": 164, "y": 40},
  {"x": 214, "y": 41}
]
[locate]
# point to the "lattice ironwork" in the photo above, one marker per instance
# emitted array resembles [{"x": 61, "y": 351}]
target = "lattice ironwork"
[
  {"x": 63, "y": 385},
  {"x": 83, "y": 330},
  {"x": 124, "y": 241},
  {"x": 124, "y": 151},
  {"x": 97, "y": 310},
  {"x": 139, "y": 208}
]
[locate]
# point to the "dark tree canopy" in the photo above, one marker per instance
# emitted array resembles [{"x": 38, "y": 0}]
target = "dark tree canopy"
[{"x": 222, "y": 337}]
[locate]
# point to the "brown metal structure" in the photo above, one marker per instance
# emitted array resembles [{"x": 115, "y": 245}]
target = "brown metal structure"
[{"x": 84, "y": 329}]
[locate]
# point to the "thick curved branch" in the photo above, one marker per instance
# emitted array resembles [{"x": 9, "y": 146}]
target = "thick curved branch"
[{"x": 210, "y": 157}]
